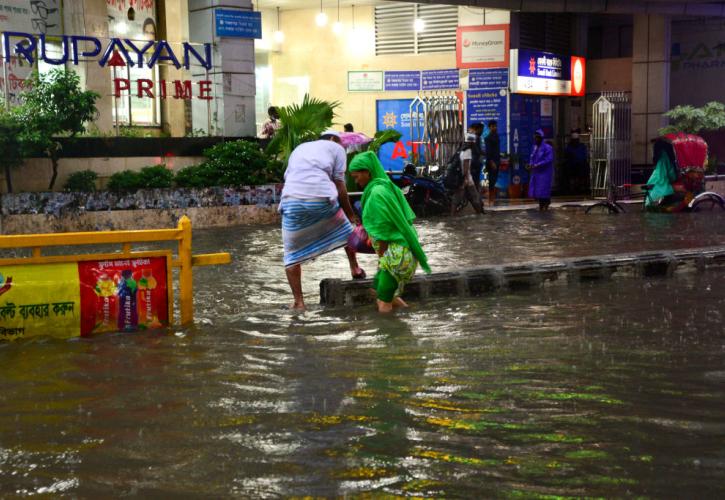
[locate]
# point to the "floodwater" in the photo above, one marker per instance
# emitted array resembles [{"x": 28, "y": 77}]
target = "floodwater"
[{"x": 602, "y": 389}]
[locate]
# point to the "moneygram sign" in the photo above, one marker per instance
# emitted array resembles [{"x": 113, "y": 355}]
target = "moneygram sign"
[
  {"x": 482, "y": 46},
  {"x": 544, "y": 73}
]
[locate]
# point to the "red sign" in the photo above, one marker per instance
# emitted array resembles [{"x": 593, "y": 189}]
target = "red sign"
[
  {"x": 124, "y": 295},
  {"x": 578, "y": 75}
]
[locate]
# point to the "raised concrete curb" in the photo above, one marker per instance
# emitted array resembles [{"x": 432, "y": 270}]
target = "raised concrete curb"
[{"x": 484, "y": 280}]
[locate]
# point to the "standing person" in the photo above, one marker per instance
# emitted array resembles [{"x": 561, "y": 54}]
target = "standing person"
[
  {"x": 468, "y": 190},
  {"x": 270, "y": 127},
  {"x": 313, "y": 222},
  {"x": 478, "y": 155},
  {"x": 576, "y": 165},
  {"x": 541, "y": 164},
  {"x": 388, "y": 220},
  {"x": 493, "y": 159},
  {"x": 348, "y": 127}
]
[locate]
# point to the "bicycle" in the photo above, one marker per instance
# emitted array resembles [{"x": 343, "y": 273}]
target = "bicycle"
[{"x": 706, "y": 201}]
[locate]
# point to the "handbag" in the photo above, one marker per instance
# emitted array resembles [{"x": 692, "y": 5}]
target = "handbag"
[{"x": 360, "y": 241}]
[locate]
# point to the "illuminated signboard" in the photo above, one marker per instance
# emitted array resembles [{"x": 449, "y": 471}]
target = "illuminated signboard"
[
  {"x": 545, "y": 73},
  {"x": 482, "y": 46}
]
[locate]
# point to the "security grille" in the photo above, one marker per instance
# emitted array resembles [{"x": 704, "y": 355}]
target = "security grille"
[
  {"x": 611, "y": 153},
  {"x": 394, "y": 33}
]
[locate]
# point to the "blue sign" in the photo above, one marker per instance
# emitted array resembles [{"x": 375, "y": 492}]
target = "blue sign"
[
  {"x": 489, "y": 104},
  {"x": 495, "y": 78},
  {"x": 402, "y": 80},
  {"x": 238, "y": 23},
  {"x": 440, "y": 79},
  {"x": 546, "y": 65},
  {"x": 395, "y": 114}
]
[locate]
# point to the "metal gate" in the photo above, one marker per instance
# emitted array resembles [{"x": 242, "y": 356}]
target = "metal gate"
[{"x": 611, "y": 155}]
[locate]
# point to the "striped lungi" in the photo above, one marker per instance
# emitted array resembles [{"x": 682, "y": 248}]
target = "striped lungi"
[{"x": 312, "y": 227}]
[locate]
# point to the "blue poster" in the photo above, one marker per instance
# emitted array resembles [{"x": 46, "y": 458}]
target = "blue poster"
[
  {"x": 238, "y": 23},
  {"x": 494, "y": 78},
  {"x": 490, "y": 104},
  {"x": 440, "y": 79},
  {"x": 402, "y": 80},
  {"x": 395, "y": 114}
]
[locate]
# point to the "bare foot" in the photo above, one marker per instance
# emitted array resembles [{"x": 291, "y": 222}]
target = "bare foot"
[
  {"x": 385, "y": 307},
  {"x": 398, "y": 302},
  {"x": 299, "y": 306}
]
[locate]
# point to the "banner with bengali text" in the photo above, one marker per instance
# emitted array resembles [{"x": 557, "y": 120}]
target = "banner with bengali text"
[{"x": 83, "y": 298}]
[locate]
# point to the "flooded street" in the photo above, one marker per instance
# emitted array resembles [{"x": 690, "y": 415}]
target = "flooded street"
[{"x": 606, "y": 389}]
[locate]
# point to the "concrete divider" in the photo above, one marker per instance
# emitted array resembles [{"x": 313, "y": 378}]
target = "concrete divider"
[{"x": 484, "y": 280}]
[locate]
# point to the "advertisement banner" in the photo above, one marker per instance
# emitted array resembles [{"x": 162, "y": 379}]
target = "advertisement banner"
[
  {"x": 545, "y": 73},
  {"x": 395, "y": 114},
  {"x": 482, "y": 46},
  {"x": 402, "y": 80},
  {"x": 124, "y": 295},
  {"x": 440, "y": 79},
  {"x": 41, "y": 299},
  {"x": 238, "y": 23},
  {"x": 143, "y": 24}
]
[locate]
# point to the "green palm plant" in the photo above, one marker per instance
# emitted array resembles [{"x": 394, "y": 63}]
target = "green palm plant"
[{"x": 301, "y": 123}]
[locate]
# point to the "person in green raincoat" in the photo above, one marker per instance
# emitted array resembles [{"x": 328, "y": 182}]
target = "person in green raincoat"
[
  {"x": 388, "y": 220},
  {"x": 661, "y": 180}
]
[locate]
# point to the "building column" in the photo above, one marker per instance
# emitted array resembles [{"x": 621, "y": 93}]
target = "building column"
[
  {"x": 234, "y": 85},
  {"x": 650, "y": 82},
  {"x": 90, "y": 17},
  {"x": 175, "y": 30}
]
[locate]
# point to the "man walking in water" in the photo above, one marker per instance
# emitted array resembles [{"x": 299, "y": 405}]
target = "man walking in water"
[{"x": 315, "y": 208}]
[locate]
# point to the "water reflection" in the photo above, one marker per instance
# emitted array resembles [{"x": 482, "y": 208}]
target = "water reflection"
[{"x": 601, "y": 389}]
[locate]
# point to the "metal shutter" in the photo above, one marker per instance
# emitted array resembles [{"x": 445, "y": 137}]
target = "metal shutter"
[
  {"x": 394, "y": 33},
  {"x": 394, "y": 29}
]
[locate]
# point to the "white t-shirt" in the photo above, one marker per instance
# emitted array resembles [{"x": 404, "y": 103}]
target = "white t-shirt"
[
  {"x": 464, "y": 155},
  {"x": 312, "y": 169}
]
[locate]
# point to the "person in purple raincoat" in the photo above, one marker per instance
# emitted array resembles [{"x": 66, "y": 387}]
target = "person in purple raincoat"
[{"x": 541, "y": 165}]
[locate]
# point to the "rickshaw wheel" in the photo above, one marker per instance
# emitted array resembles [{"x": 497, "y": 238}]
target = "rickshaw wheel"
[
  {"x": 708, "y": 203},
  {"x": 605, "y": 207}
]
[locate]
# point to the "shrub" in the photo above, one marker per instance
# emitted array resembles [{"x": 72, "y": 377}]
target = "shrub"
[
  {"x": 195, "y": 176},
  {"x": 155, "y": 177},
  {"x": 81, "y": 182},
  {"x": 237, "y": 163},
  {"x": 126, "y": 180}
]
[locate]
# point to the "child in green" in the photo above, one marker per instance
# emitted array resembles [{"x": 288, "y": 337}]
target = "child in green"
[{"x": 388, "y": 220}]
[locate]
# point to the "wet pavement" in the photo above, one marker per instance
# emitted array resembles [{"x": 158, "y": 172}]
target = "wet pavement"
[{"x": 600, "y": 389}]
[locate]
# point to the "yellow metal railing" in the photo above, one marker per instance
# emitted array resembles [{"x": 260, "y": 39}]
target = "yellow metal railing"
[{"x": 184, "y": 261}]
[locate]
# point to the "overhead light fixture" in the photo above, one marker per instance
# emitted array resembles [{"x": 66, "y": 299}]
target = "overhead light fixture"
[
  {"x": 321, "y": 18},
  {"x": 121, "y": 27},
  {"x": 337, "y": 27},
  {"x": 419, "y": 25},
  {"x": 279, "y": 34}
]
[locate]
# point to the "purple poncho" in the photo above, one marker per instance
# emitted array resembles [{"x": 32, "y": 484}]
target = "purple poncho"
[{"x": 542, "y": 170}]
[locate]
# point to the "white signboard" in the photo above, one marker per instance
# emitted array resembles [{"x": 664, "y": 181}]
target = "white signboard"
[
  {"x": 482, "y": 46},
  {"x": 365, "y": 81}
]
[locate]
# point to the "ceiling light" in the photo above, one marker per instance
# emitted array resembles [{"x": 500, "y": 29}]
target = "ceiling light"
[
  {"x": 278, "y": 35},
  {"x": 419, "y": 25},
  {"x": 321, "y": 17},
  {"x": 337, "y": 27}
]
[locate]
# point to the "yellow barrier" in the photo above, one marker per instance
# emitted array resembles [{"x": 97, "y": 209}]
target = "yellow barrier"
[{"x": 185, "y": 260}]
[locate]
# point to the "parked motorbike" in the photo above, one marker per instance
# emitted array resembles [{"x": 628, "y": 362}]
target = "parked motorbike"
[{"x": 425, "y": 191}]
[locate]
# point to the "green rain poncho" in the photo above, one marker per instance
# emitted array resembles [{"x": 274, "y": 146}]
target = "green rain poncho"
[
  {"x": 662, "y": 178},
  {"x": 386, "y": 214}
]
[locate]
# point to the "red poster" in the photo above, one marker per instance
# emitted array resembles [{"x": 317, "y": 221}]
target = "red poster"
[{"x": 123, "y": 295}]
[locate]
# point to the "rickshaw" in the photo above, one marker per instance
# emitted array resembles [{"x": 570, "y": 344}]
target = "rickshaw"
[{"x": 677, "y": 183}]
